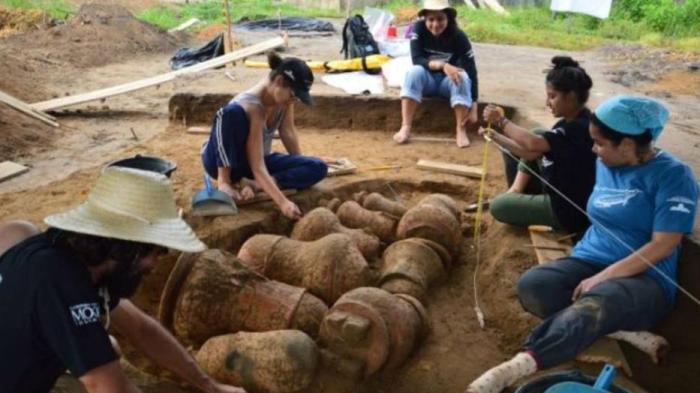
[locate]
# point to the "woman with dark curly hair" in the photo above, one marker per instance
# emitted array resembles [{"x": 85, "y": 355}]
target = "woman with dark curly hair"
[{"x": 562, "y": 155}]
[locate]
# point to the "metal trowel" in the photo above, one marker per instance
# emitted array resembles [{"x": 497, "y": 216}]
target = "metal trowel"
[{"x": 212, "y": 202}]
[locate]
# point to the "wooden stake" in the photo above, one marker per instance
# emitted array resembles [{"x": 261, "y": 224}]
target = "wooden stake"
[{"x": 229, "y": 47}]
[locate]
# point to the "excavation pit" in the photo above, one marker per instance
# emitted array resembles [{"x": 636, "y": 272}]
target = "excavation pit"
[{"x": 456, "y": 350}]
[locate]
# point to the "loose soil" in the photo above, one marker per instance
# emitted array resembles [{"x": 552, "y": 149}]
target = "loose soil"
[{"x": 103, "y": 45}]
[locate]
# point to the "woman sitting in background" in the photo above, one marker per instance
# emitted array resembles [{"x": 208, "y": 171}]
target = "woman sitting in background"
[
  {"x": 622, "y": 274},
  {"x": 443, "y": 65}
]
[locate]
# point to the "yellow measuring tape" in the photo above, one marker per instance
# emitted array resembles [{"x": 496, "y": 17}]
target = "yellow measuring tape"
[{"x": 477, "y": 224}]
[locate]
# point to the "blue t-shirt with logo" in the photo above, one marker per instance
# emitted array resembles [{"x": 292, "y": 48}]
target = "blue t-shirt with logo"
[{"x": 632, "y": 202}]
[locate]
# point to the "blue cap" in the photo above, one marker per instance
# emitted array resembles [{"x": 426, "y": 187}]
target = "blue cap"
[{"x": 633, "y": 115}]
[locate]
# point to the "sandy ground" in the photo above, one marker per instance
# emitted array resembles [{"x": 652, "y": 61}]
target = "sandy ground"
[{"x": 65, "y": 162}]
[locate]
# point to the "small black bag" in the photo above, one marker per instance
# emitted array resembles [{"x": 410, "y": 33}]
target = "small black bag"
[{"x": 357, "y": 39}]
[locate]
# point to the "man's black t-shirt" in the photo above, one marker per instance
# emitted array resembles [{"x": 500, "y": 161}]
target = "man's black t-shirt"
[
  {"x": 452, "y": 46},
  {"x": 49, "y": 318},
  {"x": 570, "y": 167}
]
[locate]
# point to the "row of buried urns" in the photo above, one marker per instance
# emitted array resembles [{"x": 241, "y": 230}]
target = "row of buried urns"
[{"x": 261, "y": 318}]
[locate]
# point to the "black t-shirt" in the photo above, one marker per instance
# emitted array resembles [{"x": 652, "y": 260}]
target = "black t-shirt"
[
  {"x": 49, "y": 318},
  {"x": 452, "y": 46},
  {"x": 570, "y": 167}
]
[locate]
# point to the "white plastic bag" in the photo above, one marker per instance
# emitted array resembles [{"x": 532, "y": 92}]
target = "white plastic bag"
[{"x": 378, "y": 21}]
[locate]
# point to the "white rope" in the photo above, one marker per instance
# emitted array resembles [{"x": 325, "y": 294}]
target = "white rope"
[{"x": 594, "y": 221}]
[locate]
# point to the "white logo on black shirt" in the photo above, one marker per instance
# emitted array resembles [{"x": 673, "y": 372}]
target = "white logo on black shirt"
[
  {"x": 85, "y": 313},
  {"x": 680, "y": 208}
]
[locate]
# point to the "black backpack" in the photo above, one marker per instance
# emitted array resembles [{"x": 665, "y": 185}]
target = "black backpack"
[{"x": 357, "y": 39}]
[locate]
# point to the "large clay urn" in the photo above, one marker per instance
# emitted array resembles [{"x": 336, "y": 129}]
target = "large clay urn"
[
  {"x": 372, "y": 329},
  {"x": 436, "y": 217},
  {"x": 321, "y": 222},
  {"x": 328, "y": 267},
  {"x": 378, "y": 202},
  {"x": 352, "y": 215},
  {"x": 412, "y": 265},
  {"x": 281, "y": 361},
  {"x": 213, "y": 293}
]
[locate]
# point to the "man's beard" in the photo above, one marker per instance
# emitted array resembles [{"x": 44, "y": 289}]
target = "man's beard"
[{"x": 123, "y": 282}]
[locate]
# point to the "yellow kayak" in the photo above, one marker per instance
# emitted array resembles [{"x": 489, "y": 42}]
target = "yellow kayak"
[{"x": 372, "y": 62}]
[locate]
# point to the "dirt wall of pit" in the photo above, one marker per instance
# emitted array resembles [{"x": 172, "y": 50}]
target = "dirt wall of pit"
[{"x": 434, "y": 115}]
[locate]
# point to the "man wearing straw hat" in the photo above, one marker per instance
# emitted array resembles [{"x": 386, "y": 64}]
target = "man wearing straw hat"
[{"x": 60, "y": 289}]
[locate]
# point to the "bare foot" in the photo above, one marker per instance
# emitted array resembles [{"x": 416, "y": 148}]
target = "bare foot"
[
  {"x": 403, "y": 135},
  {"x": 462, "y": 138},
  {"x": 245, "y": 182}
]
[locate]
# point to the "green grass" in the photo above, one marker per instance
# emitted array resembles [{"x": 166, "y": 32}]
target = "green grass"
[
  {"x": 56, "y": 8},
  {"x": 213, "y": 11},
  {"x": 538, "y": 27}
]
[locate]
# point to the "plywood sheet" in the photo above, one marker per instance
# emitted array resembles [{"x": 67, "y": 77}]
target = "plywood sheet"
[{"x": 9, "y": 169}]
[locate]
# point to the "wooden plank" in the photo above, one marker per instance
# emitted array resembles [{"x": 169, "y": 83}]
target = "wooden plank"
[
  {"x": 454, "y": 169},
  {"x": 9, "y": 169},
  {"x": 263, "y": 197},
  {"x": 432, "y": 139},
  {"x": 343, "y": 167},
  {"x": 158, "y": 79},
  {"x": 199, "y": 130},
  {"x": 494, "y": 5},
  {"x": 186, "y": 25},
  {"x": 547, "y": 246},
  {"x": 27, "y": 109},
  {"x": 606, "y": 350}
]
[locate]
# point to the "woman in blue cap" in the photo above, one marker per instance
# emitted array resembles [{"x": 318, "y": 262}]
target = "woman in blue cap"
[
  {"x": 239, "y": 151},
  {"x": 622, "y": 275}
]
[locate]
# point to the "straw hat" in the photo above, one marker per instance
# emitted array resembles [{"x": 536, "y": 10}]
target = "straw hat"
[
  {"x": 437, "y": 5},
  {"x": 131, "y": 204}
]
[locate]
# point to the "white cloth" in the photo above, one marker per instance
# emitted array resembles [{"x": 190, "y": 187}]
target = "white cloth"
[
  {"x": 395, "y": 70},
  {"x": 357, "y": 82},
  {"x": 598, "y": 8}
]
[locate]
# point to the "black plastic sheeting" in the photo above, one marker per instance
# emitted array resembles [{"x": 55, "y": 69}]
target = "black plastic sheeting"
[
  {"x": 186, "y": 57},
  {"x": 291, "y": 23}
]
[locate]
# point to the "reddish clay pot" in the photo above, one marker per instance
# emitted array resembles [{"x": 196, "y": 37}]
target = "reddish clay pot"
[
  {"x": 282, "y": 361},
  {"x": 328, "y": 267},
  {"x": 377, "y": 202},
  {"x": 374, "y": 329},
  {"x": 321, "y": 222},
  {"x": 412, "y": 265},
  {"x": 352, "y": 215},
  {"x": 435, "y": 218},
  {"x": 213, "y": 293}
]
